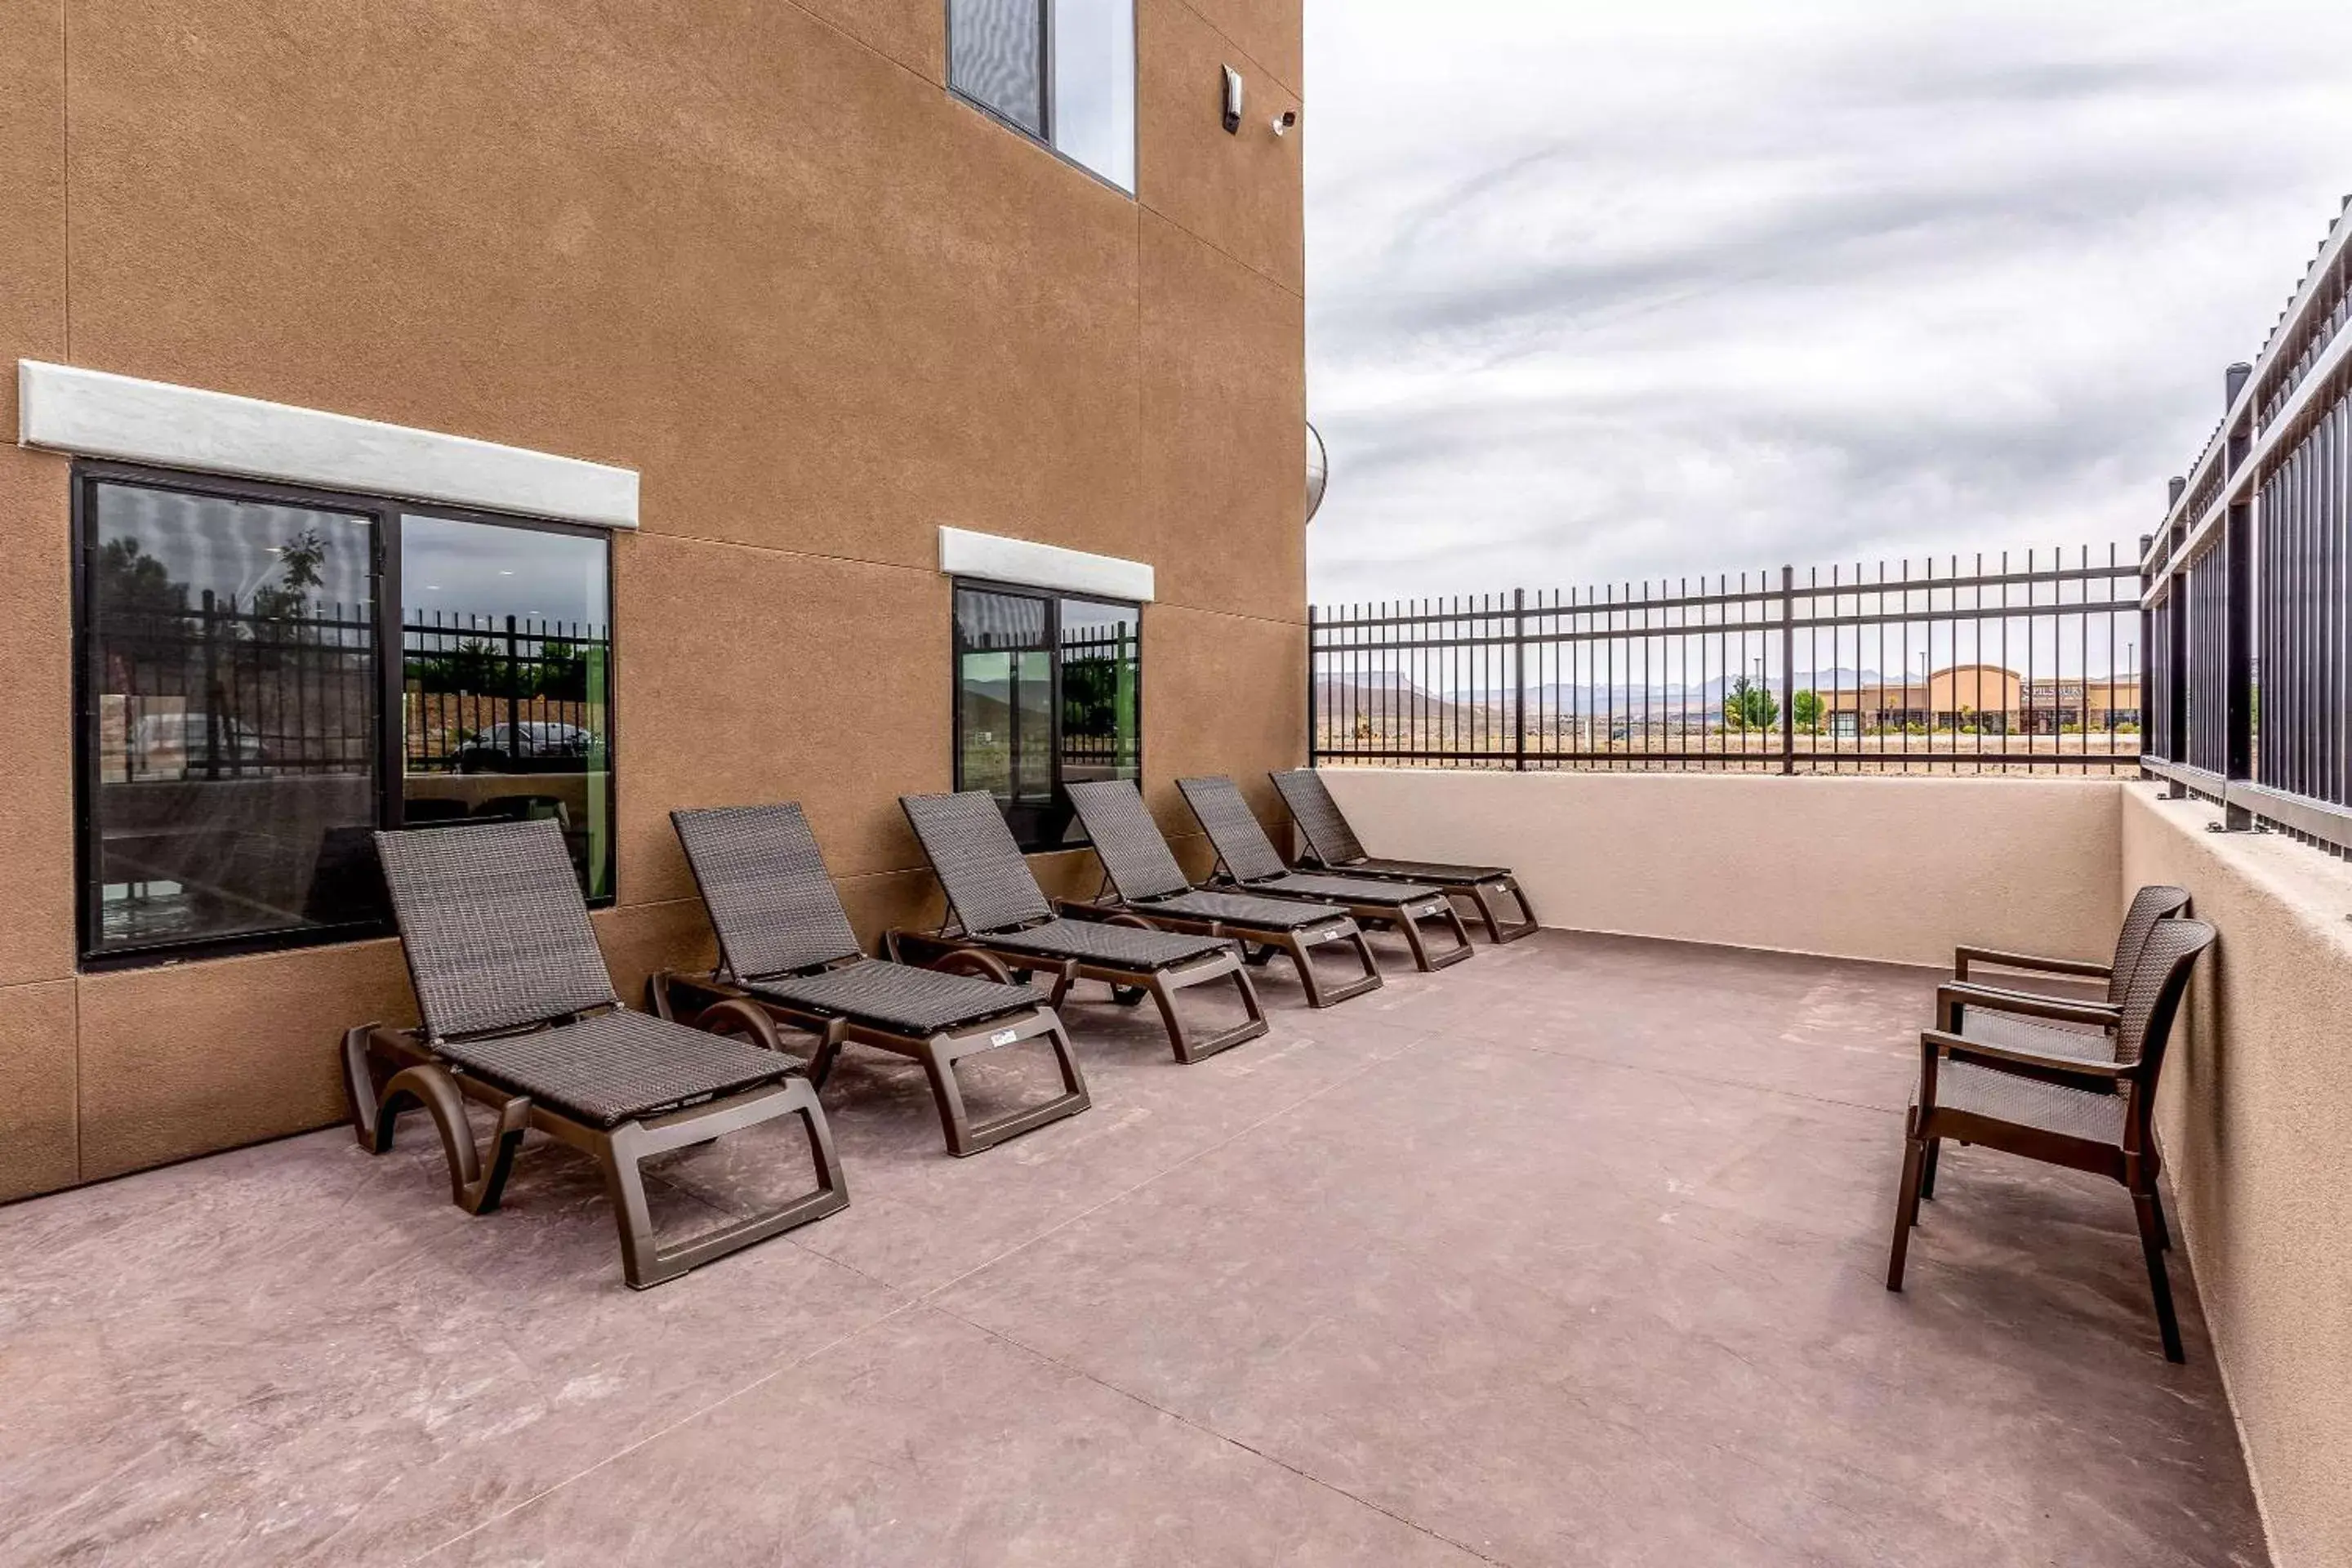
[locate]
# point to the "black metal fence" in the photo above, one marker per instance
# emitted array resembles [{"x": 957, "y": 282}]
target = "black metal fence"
[
  {"x": 2246, "y": 586},
  {"x": 2019, "y": 663},
  {"x": 497, "y": 690}
]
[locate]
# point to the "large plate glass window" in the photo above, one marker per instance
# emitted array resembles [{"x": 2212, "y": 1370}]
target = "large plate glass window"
[
  {"x": 1061, "y": 70},
  {"x": 240, "y": 735},
  {"x": 1048, "y": 691}
]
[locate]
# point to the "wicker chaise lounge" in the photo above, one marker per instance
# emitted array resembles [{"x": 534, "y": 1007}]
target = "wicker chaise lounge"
[
  {"x": 996, "y": 906},
  {"x": 2086, "y": 1100},
  {"x": 785, "y": 945},
  {"x": 1252, "y": 864},
  {"x": 520, "y": 1016},
  {"x": 1331, "y": 845},
  {"x": 1139, "y": 864}
]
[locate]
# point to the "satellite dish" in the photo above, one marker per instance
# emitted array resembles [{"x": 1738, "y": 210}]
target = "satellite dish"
[{"x": 1319, "y": 471}]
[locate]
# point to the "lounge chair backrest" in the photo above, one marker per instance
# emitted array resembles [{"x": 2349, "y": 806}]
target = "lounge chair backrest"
[
  {"x": 1130, "y": 843},
  {"x": 2152, "y": 999},
  {"x": 764, "y": 882},
  {"x": 1233, "y": 827},
  {"x": 986, "y": 878},
  {"x": 1318, "y": 817},
  {"x": 493, "y": 925},
  {"x": 2148, "y": 906}
]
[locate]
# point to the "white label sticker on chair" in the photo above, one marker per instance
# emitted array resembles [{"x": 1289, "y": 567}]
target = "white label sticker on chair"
[{"x": 1003, "y": 1036}]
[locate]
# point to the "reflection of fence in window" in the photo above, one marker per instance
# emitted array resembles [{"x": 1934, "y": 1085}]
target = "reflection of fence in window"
[
  {"x": 1099, "y": 722},
  {"x": 225, "y": 691},
  {"x": 484, "y": 692}
]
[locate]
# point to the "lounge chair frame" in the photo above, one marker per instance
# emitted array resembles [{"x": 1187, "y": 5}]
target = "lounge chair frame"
[
  {"x": 2122, "y": 1053},
  {"x": 474, "y": 999},
  {"x": 1130, "y": 983},
  {"x": 1230, "y": 837},
  {"x": 1331, "y": 845},
  {"x": 780, "y": 835},
  {"x": 388, "y": 1071},
  {"x": 671, "y": 992},
  {"x": 1123, "y": 832}
]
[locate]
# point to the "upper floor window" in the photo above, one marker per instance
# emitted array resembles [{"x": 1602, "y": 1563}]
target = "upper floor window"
[
  {"x": 1061, "y": 70},
  {"x": 1048, "y": 692},
  {"x": 244, "y": 726}
]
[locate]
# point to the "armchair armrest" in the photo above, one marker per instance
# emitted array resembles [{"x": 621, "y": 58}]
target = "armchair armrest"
[
  {"x": 1952, "y": 996},
  {"x": 1963, "y": 956},
  {"x": 1934, "y": 1043}
]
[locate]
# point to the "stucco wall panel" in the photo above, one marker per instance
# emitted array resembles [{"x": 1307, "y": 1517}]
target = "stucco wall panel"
[
  {"x": 1243, "y": 193},
  {"x": 912, "y": 32},
  {"x": 1225, "y": 401},
  {"x": 749, "y": 676},
  {"x": 1222, "y": 694},
  {"x": 619, "y": 236},
  {"x": 192, "y": 1058},
  {"x": 38, "y": 1133},
  {"x": 1272, "y": 33},
  {"x": 1896, "y": 869},
  {"x": 2255, "y": 1116},
  {"x": 36, "y": 919}
]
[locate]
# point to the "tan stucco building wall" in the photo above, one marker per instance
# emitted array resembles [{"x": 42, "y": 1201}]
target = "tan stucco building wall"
[{"x": 755, "y": 251}]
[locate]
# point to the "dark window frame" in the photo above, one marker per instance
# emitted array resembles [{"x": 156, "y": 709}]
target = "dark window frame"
[
  {"x": 1046, "y": 106},
  {"x": 384, "y": 513},
  {"x": 1052, "y": 599}
]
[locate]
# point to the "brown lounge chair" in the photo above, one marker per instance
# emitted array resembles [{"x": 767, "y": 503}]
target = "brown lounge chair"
[
  {"x": 785, "y": 946},
  {"x": 2149, "y": 905},
  {"x": 1252, "y": 864},
  {"x": 1331, "y": 845},
  {"x": 994, "y": 906},
  {"x": 519, "y": 1017},
  {"x": 1138, "y": 864},
  {"x": 1997, "y": 1072}
]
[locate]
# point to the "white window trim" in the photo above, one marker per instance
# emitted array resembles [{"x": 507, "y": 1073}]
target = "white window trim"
[
  {"x": 963, "y": 554},
  {"x": 95, "y": 414}
]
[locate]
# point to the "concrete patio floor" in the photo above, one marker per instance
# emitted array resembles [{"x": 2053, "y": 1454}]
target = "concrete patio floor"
[{"x": 1569, "y": 1254}]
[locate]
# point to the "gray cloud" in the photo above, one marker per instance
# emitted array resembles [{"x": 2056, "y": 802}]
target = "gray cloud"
[{"x": 1600, "y": 296}]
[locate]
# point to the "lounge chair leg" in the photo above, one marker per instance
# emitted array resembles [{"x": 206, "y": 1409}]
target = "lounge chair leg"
[
  {"x": 1179, "y": 1039},
  {"x": 1318, "y": 994},
  {"x": 939, "y": 1059},
  {"x": 2163, "y": 1231},
  {"x": 1927, "y": 1172},
  {"x": 644, "y": 1262},
  {"x": 2151, "y": 1246},
  {"x": 363, "y": 1080},
  {"x": 471, "y": 1188},
  {"x": 1423, "y": 959},
  {"x": 1490, "y": 912},
  {"x": 1907, "y": 1204}
]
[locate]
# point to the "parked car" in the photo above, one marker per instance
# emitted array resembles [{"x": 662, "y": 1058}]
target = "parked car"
[{"x": 534, "y": 743}]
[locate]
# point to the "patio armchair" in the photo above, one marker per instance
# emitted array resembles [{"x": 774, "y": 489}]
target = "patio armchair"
[
  {"x": 1249, "y": 862},
  {"x": 519, "y": 1017},
  {"x": 1142, "y": 872},
  {"x": 785, "y": 946},
  {"x": 996, "y": 906},
  {"x": 2087, "y": 1103},
  {"x": 1331, "y": 845},
  {"x": 2149, "y": 905}
]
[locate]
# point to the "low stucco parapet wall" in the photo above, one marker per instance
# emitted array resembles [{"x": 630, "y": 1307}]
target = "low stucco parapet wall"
[
  {"x": 1897, "y": 869},
  {"x": 2256, "y": 1121}
]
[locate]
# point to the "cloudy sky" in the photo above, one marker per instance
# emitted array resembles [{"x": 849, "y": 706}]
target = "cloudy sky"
[{"x": 1599, "y": 289}]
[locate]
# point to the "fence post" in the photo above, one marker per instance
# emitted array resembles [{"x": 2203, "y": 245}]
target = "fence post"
[
  {"x": 1788, "y": 670},
  {"x": 1314, "y": 680},
  {"x": 514, "y": 692},
  {"x": 2238, "y": 706},
  {"x": 1520, "y": 679}
]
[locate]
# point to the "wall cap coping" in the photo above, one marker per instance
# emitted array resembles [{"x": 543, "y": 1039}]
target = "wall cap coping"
[{"x": 964, "y": 554}]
